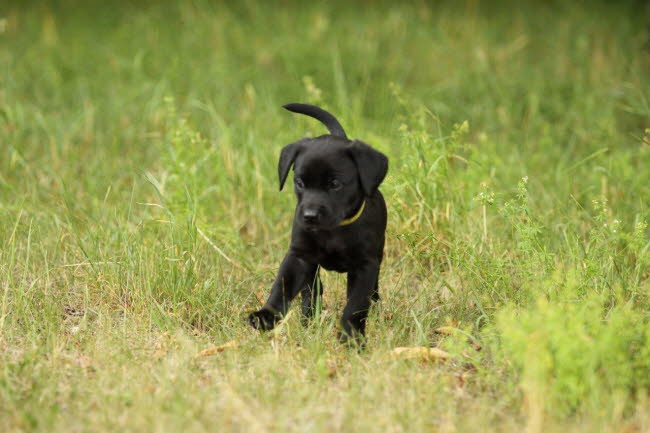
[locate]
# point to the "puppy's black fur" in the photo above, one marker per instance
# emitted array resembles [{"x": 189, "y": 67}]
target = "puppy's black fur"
[{"x": 335, "y": 179}]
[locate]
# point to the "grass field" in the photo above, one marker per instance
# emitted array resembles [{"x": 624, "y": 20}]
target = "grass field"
[{"x": 140, "y": 219}]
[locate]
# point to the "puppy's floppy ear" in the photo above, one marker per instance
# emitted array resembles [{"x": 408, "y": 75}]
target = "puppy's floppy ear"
[
  {"x": 287, "y": 157},
  {"x": 372, "y": 165}
]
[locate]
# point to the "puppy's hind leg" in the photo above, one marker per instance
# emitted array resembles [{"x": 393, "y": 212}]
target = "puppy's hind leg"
[
  {"x": 312, "y": 297},
  {"x": 374, "y": 296}
]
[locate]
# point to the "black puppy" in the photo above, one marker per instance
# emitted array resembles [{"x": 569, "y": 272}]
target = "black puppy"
[{"x": 339, "y": 223}]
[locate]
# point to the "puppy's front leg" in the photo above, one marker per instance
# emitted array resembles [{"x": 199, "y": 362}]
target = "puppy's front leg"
[
  {"x": 295, "y": 274},
  {"x": 362, "y": 283}
]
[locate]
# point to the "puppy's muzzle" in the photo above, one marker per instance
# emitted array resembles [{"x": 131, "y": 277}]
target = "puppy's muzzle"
[
  {"x": 315, "y": 216},
  {"x": 311, "y": 216}
]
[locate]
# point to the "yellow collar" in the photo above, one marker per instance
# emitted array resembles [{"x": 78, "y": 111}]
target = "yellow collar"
[{"x": 356, "y": 216}]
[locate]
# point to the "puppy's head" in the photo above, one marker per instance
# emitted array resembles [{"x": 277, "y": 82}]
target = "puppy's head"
[{"x": 332, "y": 178}]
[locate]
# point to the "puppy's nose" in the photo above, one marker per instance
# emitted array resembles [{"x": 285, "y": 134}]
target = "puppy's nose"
[{"x": 310, "y": 216}]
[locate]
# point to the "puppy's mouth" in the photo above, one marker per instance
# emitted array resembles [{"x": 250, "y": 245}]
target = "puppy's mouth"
[
  {"x": 327, "y": 225},
  {"x": 324, "y": 220},
  {"x": 317, "y": 227},
  {"x": 321, "y": 224}
]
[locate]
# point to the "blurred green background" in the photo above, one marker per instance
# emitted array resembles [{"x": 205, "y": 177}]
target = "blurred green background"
[{"x": 140, "y": 217}]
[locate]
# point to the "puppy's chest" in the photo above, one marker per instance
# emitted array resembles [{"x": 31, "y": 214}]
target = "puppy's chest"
[{"x": 334, "y": 254}]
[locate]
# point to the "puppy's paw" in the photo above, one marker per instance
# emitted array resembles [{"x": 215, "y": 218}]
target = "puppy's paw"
[
  {"x": 356, "y": 341},
  {"x": 263, "y": 319}
]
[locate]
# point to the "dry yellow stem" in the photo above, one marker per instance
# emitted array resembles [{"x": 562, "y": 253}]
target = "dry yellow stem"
[
  {"x": 217, "y": 349},
  {"x": 446, "y": 330},
  {"x": 422, "y": 353}
]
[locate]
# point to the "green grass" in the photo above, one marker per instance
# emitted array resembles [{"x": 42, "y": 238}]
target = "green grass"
[{"x": 140, "y": 219}]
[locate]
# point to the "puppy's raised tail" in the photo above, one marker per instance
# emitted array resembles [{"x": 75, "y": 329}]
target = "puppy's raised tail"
[{"x": 323, "y": 116}]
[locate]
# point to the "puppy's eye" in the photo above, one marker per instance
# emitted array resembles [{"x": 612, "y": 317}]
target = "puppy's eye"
[
  {"x": 334, "y": 185},
  {"x": 299, "y": 183}
]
